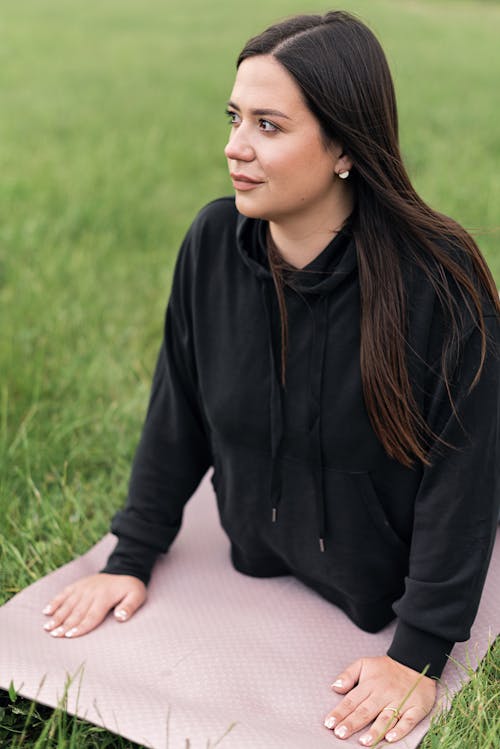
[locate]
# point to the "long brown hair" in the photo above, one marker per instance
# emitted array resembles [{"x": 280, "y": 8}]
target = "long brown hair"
[{"x": 344, "y": 77}]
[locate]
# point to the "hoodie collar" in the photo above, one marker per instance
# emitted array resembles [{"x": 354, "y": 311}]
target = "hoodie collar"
[{"x": 337, "y": 260}]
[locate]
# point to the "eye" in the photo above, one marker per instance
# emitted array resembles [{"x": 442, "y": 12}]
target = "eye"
[
  {"x": 268, "y": 127},
  {"x": 232, "y": 116}
]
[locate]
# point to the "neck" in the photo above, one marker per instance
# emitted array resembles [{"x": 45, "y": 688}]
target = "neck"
[{"x": 300, "y": 239}]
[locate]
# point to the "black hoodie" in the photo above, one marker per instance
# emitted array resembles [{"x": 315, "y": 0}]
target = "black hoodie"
[{"x": 303, "y": 484}]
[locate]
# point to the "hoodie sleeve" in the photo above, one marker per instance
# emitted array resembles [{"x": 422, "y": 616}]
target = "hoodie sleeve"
[
  {"x": 174, "y": 450},
  {"x": 456, "y": 511}
]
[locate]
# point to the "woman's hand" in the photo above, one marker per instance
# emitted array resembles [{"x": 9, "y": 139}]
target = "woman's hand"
[
  {"x": 83, "y": 605},
  {"x": 372, "y": 684}
]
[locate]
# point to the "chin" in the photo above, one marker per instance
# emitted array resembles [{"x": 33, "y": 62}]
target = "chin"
[{"x": 250, "y": 208}]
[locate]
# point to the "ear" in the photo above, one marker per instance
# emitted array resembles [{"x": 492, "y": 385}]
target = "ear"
[{"x": 343, "y": 163}]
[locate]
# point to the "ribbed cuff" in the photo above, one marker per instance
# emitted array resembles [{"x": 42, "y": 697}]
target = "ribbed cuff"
[
  {"x": 129, "y": 557},
  {"x": 416, "y": 649}
]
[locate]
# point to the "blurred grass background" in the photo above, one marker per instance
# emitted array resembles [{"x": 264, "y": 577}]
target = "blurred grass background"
[{"x": 111, "y": 138}]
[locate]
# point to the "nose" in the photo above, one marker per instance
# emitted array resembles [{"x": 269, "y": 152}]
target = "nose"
[{"x": 238, "y": 148}]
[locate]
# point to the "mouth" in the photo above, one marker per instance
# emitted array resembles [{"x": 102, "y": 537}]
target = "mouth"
[{"x": 242, "y": 182}]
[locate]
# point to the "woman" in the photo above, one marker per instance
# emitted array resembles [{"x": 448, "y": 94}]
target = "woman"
[{"x": 331, "y": 347}]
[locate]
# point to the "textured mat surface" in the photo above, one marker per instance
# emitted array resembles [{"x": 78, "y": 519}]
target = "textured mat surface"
[{"x": 211, "y": 650}]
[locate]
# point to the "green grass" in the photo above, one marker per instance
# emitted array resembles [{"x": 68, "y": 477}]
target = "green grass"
[{"x": 111, "y": 138}]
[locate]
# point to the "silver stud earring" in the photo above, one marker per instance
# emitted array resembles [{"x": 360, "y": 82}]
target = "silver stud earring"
[{"x": 344, "y": 174}]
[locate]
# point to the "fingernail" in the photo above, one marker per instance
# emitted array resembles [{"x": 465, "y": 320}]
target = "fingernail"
[
  {"x": 366, "y": 740},
  {"x": 392, "y": 736},
  {"x": 121, "y": 614},
  {"x": 56, "y": 632},
  {"x": 49, "y": 625},
  {"x": 338, "y": 683},
  {"x": 341, "y": 731},
  {"x": 47, "y": 609},
  {"x": 330, "y": 722},
  {"x": 71, "y": 632}
]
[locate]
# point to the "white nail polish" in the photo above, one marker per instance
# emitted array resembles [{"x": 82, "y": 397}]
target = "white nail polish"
[
  {"x": 392, "y": 736},
  {"x": 330, "y": 722},
  {"x": 338, "y": 683},
  {"x": 121, "y": 614},
  {"x": 341, "y": 731},
  {"x": 47, "y": 609},
  {"x": 71, "y": 632},
  {"x": 56, "y": 632},
  {"x": 49, "y": 625},
  {"x": 366, "y": 740}
]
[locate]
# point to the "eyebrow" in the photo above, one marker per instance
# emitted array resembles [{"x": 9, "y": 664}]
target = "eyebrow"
[{"x": 272, "y": 112}]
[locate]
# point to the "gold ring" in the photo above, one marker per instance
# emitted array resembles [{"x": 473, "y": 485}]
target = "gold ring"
[{"x": 395, "y": 710}]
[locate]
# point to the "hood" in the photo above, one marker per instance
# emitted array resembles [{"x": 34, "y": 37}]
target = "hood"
[{"x": 317, "y": 280}]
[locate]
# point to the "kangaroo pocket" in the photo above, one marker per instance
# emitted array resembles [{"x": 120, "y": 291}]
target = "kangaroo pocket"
[{"x": 364, "y": 558}]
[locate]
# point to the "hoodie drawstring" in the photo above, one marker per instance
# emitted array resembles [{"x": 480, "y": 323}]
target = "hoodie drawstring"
[
  {"x": 320, "y": 329},
  {"x": 275, "y": 407},
  {"x": 319, "y": 314}
]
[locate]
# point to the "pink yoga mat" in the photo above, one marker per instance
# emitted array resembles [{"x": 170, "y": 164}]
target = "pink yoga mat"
[{"x": 211, "y": 651}]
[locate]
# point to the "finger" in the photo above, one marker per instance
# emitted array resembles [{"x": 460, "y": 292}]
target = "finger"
[
  {"x": 75, "y": 617},
  {"x": 94, "y": 616},
  {"x": 348, "y": 678},
  {"x": 391, "y": 728},
  {"x": 365, "y": 712},
  {"x": 336, "y": 718},
  {"x": 407, "y": 723},
  {"x": 60, "y": 615},
  {"x": 57, "y": 601},
  {"x": 384, "y": 723},
  {"x": 127, "y": 607}
]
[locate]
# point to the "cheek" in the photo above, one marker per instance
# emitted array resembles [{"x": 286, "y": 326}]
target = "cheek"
[{"x": 305, "y": 164}]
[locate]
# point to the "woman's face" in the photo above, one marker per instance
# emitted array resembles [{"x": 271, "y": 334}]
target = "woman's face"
[{"x": 278, "y": 161}]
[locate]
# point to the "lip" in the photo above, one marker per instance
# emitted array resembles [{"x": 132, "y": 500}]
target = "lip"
[{"x": 242, "y": 182}]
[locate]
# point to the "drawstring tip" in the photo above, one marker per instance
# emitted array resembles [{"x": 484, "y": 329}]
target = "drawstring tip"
[
  {"x": 321, "y": 544},
  {"x": 274, "y": 514}
]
